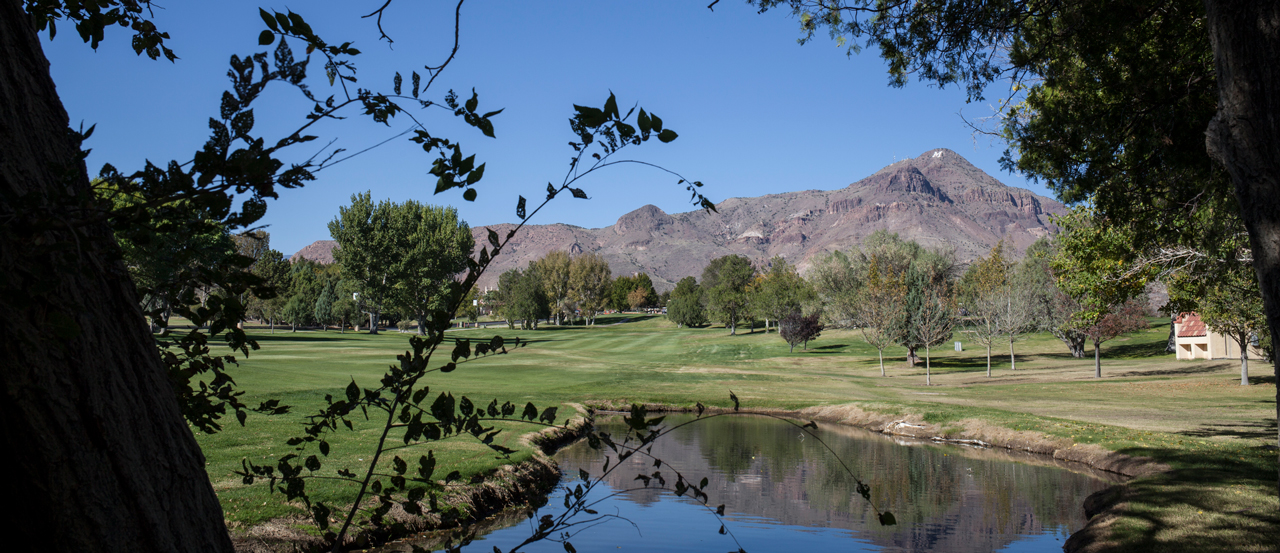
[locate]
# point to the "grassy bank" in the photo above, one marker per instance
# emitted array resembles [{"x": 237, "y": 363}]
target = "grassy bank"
[{"x": 1192, "y": 415}]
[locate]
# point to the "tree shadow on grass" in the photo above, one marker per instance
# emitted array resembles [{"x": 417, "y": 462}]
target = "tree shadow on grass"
[
  {"x": 962, "y": 363},
  {"x": 1138, "y": 350},
  {"x": 1181, "y": 371},
  {"x": 1263, "y": 429},
  {"x": 1263, "y": 379},
  {"x": 832, "y": 346},
  {"x": 1161, "y": 499}
]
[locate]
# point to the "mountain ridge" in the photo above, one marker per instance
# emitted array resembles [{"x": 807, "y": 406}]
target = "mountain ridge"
[{"x": 938, "y": 199}]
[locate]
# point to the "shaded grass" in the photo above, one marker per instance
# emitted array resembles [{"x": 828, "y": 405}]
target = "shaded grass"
[{"x": 1190, "y": 414}]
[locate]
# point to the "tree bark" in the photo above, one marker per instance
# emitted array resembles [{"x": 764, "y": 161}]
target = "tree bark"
[
  {"x": 1245, "y": 134},
  {"x": 988, "y": 361},
  {"x": 98, "y": 454},
  {"x": 1097, "y": 360}
]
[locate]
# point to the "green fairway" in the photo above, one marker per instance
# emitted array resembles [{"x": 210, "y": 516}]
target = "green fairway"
[{"x": 1192, "y": 415}]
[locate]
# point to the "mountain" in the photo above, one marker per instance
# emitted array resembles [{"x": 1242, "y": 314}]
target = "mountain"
[
  {"x": 938, "y": 199},
  {"x": 320, "y": 251}
]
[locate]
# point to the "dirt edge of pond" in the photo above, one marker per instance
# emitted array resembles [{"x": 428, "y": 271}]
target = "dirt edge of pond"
[
  {"x": 515, "y": 486},
  {"x": 1101, "y": 508},
  {"x": 508, "y": 487}
]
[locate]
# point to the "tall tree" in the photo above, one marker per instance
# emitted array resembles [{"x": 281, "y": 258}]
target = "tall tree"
[
  {"x": 590, "y": 281},
  {"x": 323, "y": 309},
  {"x": 1138, "y": 105},
  {"x": 429, "y": 248},
  {"x": 725, "y": 281},
  {"x": 1225, "y": 295},
  {"x": 645, "y": 285},
  {"x": 99, "y": 451},
  {"x": 1090, "y": 267},
  {"x": 838, "y": 284},
  {"x": 1049, "y": 309},
  {"x": 523, "y": 297},
  {"x": 685, "y": 306},
  {"x": 622, "y": 286},
  {"x": 554, "y": 268},
  {"x": 266, "y": 304},
  {"x": 365, "y": 252},
  {"x": 779, "y": 291}
]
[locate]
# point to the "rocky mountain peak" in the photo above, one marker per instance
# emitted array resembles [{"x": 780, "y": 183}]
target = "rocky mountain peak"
[
  {"x": 647, "y": 219},
  {"x": 909, "y": 180}
]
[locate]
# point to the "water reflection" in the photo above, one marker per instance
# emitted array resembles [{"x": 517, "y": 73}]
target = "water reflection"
[{"x": 784, "y": 491}]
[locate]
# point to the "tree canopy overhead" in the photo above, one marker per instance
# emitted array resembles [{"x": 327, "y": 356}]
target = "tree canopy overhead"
[{"x": 1163, "y": 114}]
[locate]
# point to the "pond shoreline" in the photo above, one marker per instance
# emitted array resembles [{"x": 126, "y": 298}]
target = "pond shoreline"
[
  {"x": 518, "y": 486},
  {"x": 508, "y": 489},
  {"x": 1101, "y": 508}
]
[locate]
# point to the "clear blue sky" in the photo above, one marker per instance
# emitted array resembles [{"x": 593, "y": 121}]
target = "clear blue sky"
[{"x": 757, "y": 113}]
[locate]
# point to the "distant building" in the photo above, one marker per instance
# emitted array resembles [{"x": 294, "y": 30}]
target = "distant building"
[{"x": 1195, "y": 340}]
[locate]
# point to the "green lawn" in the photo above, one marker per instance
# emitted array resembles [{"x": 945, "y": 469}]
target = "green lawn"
[{"x": 1191, "y": 414}]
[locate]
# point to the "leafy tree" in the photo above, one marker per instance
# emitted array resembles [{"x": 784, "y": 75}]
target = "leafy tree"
[
  {"x": 685, "y": 306},
  {"x": 162, "y": 261},
  {"x": 1049, "y": 309},
  {"x": 1123, "y": 319},
  {"x": 344, "y": 310},
  {"x": 365, "y": 250},
  {"x": 645, "y": 285},
  {"x": 1090, "y": 268},
  {"x": 838, "y": 283},
  {"x": 554, "y": 268},
  {"x": 430, "y": 246},
  {"x": 523, "y": 297},
  {"x": 724, "y": 282},
  {"x": 1226, "y": 296},
  {"x": 590, "y": 282},
  {"x": 879, "y": 309},
  {"x": 1140, "y": 113},
  {"x": 779, "y": 292},
  {"x": 636, "y": 299},
  {"x": 274, "y": 270},
  {"x": 796, "y": 328},
  {"x": 622, "y": 286},
  {"x": 469, "y": 309},
  {"x": 297, "y": 312}
]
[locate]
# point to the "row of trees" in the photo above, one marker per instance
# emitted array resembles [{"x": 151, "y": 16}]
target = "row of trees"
[{"x": 558, "y": 287}]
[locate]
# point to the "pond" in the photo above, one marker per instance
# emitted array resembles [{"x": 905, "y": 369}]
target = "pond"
[{"x": 784, "y": 491}]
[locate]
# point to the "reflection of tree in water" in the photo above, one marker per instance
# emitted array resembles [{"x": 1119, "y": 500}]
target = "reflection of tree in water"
[{"x": 945, "y": 498}]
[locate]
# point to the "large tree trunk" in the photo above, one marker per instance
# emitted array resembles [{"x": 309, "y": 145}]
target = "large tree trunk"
[
  {"x": 98, "y": 456},
  {"x": 1245, "y": 134}
]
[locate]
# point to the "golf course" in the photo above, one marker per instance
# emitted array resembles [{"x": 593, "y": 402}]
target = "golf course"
[{"x": 1210, "y": 440}]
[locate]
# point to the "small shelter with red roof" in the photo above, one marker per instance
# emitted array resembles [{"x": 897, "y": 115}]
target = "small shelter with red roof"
[{"x": 1195, "y": 340}]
